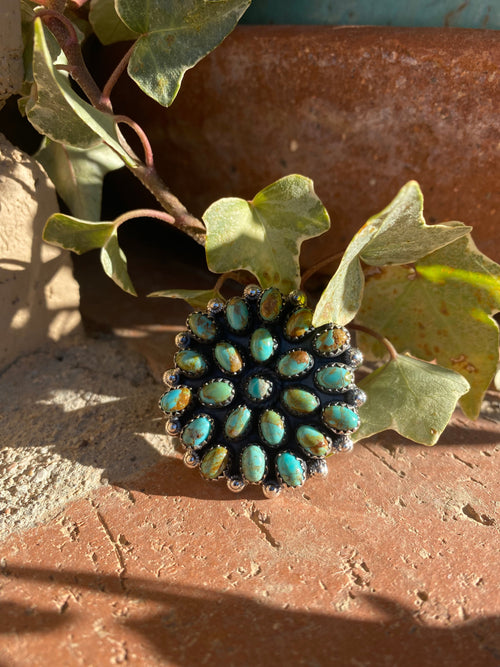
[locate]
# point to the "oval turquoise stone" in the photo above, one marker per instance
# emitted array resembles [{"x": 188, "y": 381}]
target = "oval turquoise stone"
[
  {"x": 191, "y": 362},
  {"x": 340, "y": 418},
  {"x": 237, "y": 313},
  {"x": 175, "y": 400},
  {"x": 228, "y": 357},
  {"x": 290, "y": 469},
  {"x": 253, "y": 463},
  {"x": 202, "y": 326},
  {"x": 331, "y": 341},
  {"x": 214, "y": 462},
  {"x": 270, "y": 304},
  {"x": 299, "y": 401},
  {"x": 237, "y": 422},
  {"x": 261, "y": 345},
  {"x": 312, "y": 440},
  {"x": 299, "y": 323},
  {"x": 259, "y": 388},
  {"x": 272, "y": 427},
  {"x": 294, "y": 363},
  {"x": 216, "y": 394},
  {"x": 334, "y": 378},
  {"x": 197, "y": 432}
]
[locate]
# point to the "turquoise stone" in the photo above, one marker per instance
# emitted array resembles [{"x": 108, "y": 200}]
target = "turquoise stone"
[
  {"x": 237, "y": 313},
  {"x": 191, "y": 362},
  {"x": 299, "y": 323},
  {"x": 272, "y": 427},
  {"x": 197, "y": 432},
  {"x": 228, "y": 357},
  {"x": 216, "y": 393},
  {"x": 214, "y": 462},
  {"x": 334, "y": 378},
  {"x": 175, "y": 400},
  {"x": 238, "y": 422},
  {"x": 202, "y": 326},
  {"x": 340, "y": 418},
  {"x": 253, "y": 464},
  {"x": 294, "y": 363},
  {"x": 261, "y": 345},
  {"x": 299, "y": 401},
  {"x": 270, "y": 304},
  {"x": 258, "y": 388},
  {"x": 312, "y": 440},
  {"x": 290, "y": 469},
  {"x": 331, "y": 341}
]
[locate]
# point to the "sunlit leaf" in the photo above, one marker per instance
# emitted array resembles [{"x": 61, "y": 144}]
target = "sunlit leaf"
[
  {"x": 78, "y": 174},
  {"x": 195, "y": 298},
  {"x": 264, "y": 235},
  {"x": 412, "y": 397},
  {"x": 176, "y": 34},
  {"x": 448, "y": 320},
  {"x": 114, "y": 263},
  {"x": 107, "y": 25},
  {"x": 397, "y": 235}
]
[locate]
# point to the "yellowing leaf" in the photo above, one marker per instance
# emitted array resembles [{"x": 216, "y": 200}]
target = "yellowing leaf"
[
  {"x": 264, "y": 235},
  {"x": 447, "y": 320},
  {"x": 397, "y": 235},
  {"x": 195, "y": 298},
  {"x": 412, "y": 397}
]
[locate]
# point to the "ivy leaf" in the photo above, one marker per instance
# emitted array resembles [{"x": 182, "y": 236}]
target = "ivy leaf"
[
  {"x": 56, "y": 111},
  {"x": 412, "y": 397},
  {"x": 78, "y": 174},
  {"x": 176, "y": 34},
  {"x": 440, "y": 310},
  {"x": 195, "y": 298},
  {"x": 397, "y": 235},
  {"x": 264, "y": 235},
  {"x": 80, "y": 236},
  {"x": 106, "y": 23}
]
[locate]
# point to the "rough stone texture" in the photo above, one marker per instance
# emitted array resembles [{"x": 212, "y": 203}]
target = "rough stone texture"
[
  {"x": 38, "y": 295},
  {"x": 11, "y": 49},
  {"x": 359, "y": 110},
  {"x": 73, "y": 419}
]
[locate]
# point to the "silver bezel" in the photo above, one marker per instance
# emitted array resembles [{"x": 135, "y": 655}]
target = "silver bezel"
[
  {"x": 351, "y": 385},
  {"x": 295, "y": 413},
  {"x": 296, "y": 375},
  {"x": 345, "y": 405},
  {"x": 303, "y": 465},
  {"x": 188, "y": 373},
  {"x": 274, "y": 319},
  {"x": 285, "y": 430},
  {"x": 219, "y": 405},
  {"x": 257, "y": 401},
  {"x": 180, "y": 343},
  {"x": 198, "y": 338},
  {"x": 342, "y": 348},
  {"x": 222, "y": 474},
  {"x": 236, "y": 484},
  {"x": 215, "y": 306},
  {"x": 271, "y": 490},
  {"x": 172, "y": 376},
  {"x": 308, "y": 331},
  {"x": 275, "y": 347},
  {"x": 191, "y": 459},
  {"x": 252, "y": 292},
  {"x": 212, "y": 427},
  {"x": 221, "y": 368},
  {"x": 238, "y": 332},
  {"x": 173, "y": 427},
  {"x": 297, "y": 298},
  {"x": 306, "y": 451},
  {"x": 355, "y": 357},
  {"x": 317, "y": 468},
  {"x": 177, "y": 413},
  {"x": 266, "y": 468},
  {"x": 247, "y": 428}
]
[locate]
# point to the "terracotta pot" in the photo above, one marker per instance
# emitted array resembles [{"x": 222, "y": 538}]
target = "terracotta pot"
[{"x": 359, "y": 110}]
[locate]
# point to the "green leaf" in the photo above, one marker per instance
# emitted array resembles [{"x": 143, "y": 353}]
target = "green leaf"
[
  {"x": 412, "y": 397},
  {"x": 447, "y": 320},
  {"x": 107, "y": 25},
  {"x": 264, "y": 235},
  {"x": 195, "y": 298},
  {"x": 397, "y": 235},
  {"x": 56, "y": 111},
  {"x": 176, "y": 34},
  {"x": 78, "y": 174},
  {"x": 83, "y": 235}
]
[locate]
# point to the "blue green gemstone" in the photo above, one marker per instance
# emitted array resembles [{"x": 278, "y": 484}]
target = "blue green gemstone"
[
  {"x": 272, "y": 427},
  {"x": 331, "y": 341},
  {"x": 216, "y": 394},
  {"x": 270, "y": 304},
  {"x": 294, "y": 363},
  {"x": 214, "y": 462},
  {"x": 228, "y": 357},
  {"x": 262, "y": 345},
  {"x": 334, "y": 378},
  {"x": 290, "y": 468},
  {"x": 197, "y": 432},
  {"x": 299, "y": 323},
  {"x": 340, "y": 418},
  {"x": 312, "y": 440},
  {"x": 253, "y": 463},
  {"x": 259, "y": 388},
  {"x": 202, "y": 326},
  {"x": 237, "y": 313},
  {"x": 299, "y": 401},
  {"x": 175, "y": 400},
  {"x": 191, "y": 362},
  {"x": 238, "y": 422}
]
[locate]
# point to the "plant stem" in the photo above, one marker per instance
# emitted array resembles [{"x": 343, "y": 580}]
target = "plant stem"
[
  {"x": 148, "y": 153},
  {"x": 316, "y": 267},
  {"x": 385, "y": 341},
  {"x": 144, "y": 213},
  {"x": 117, "y": 72}
]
